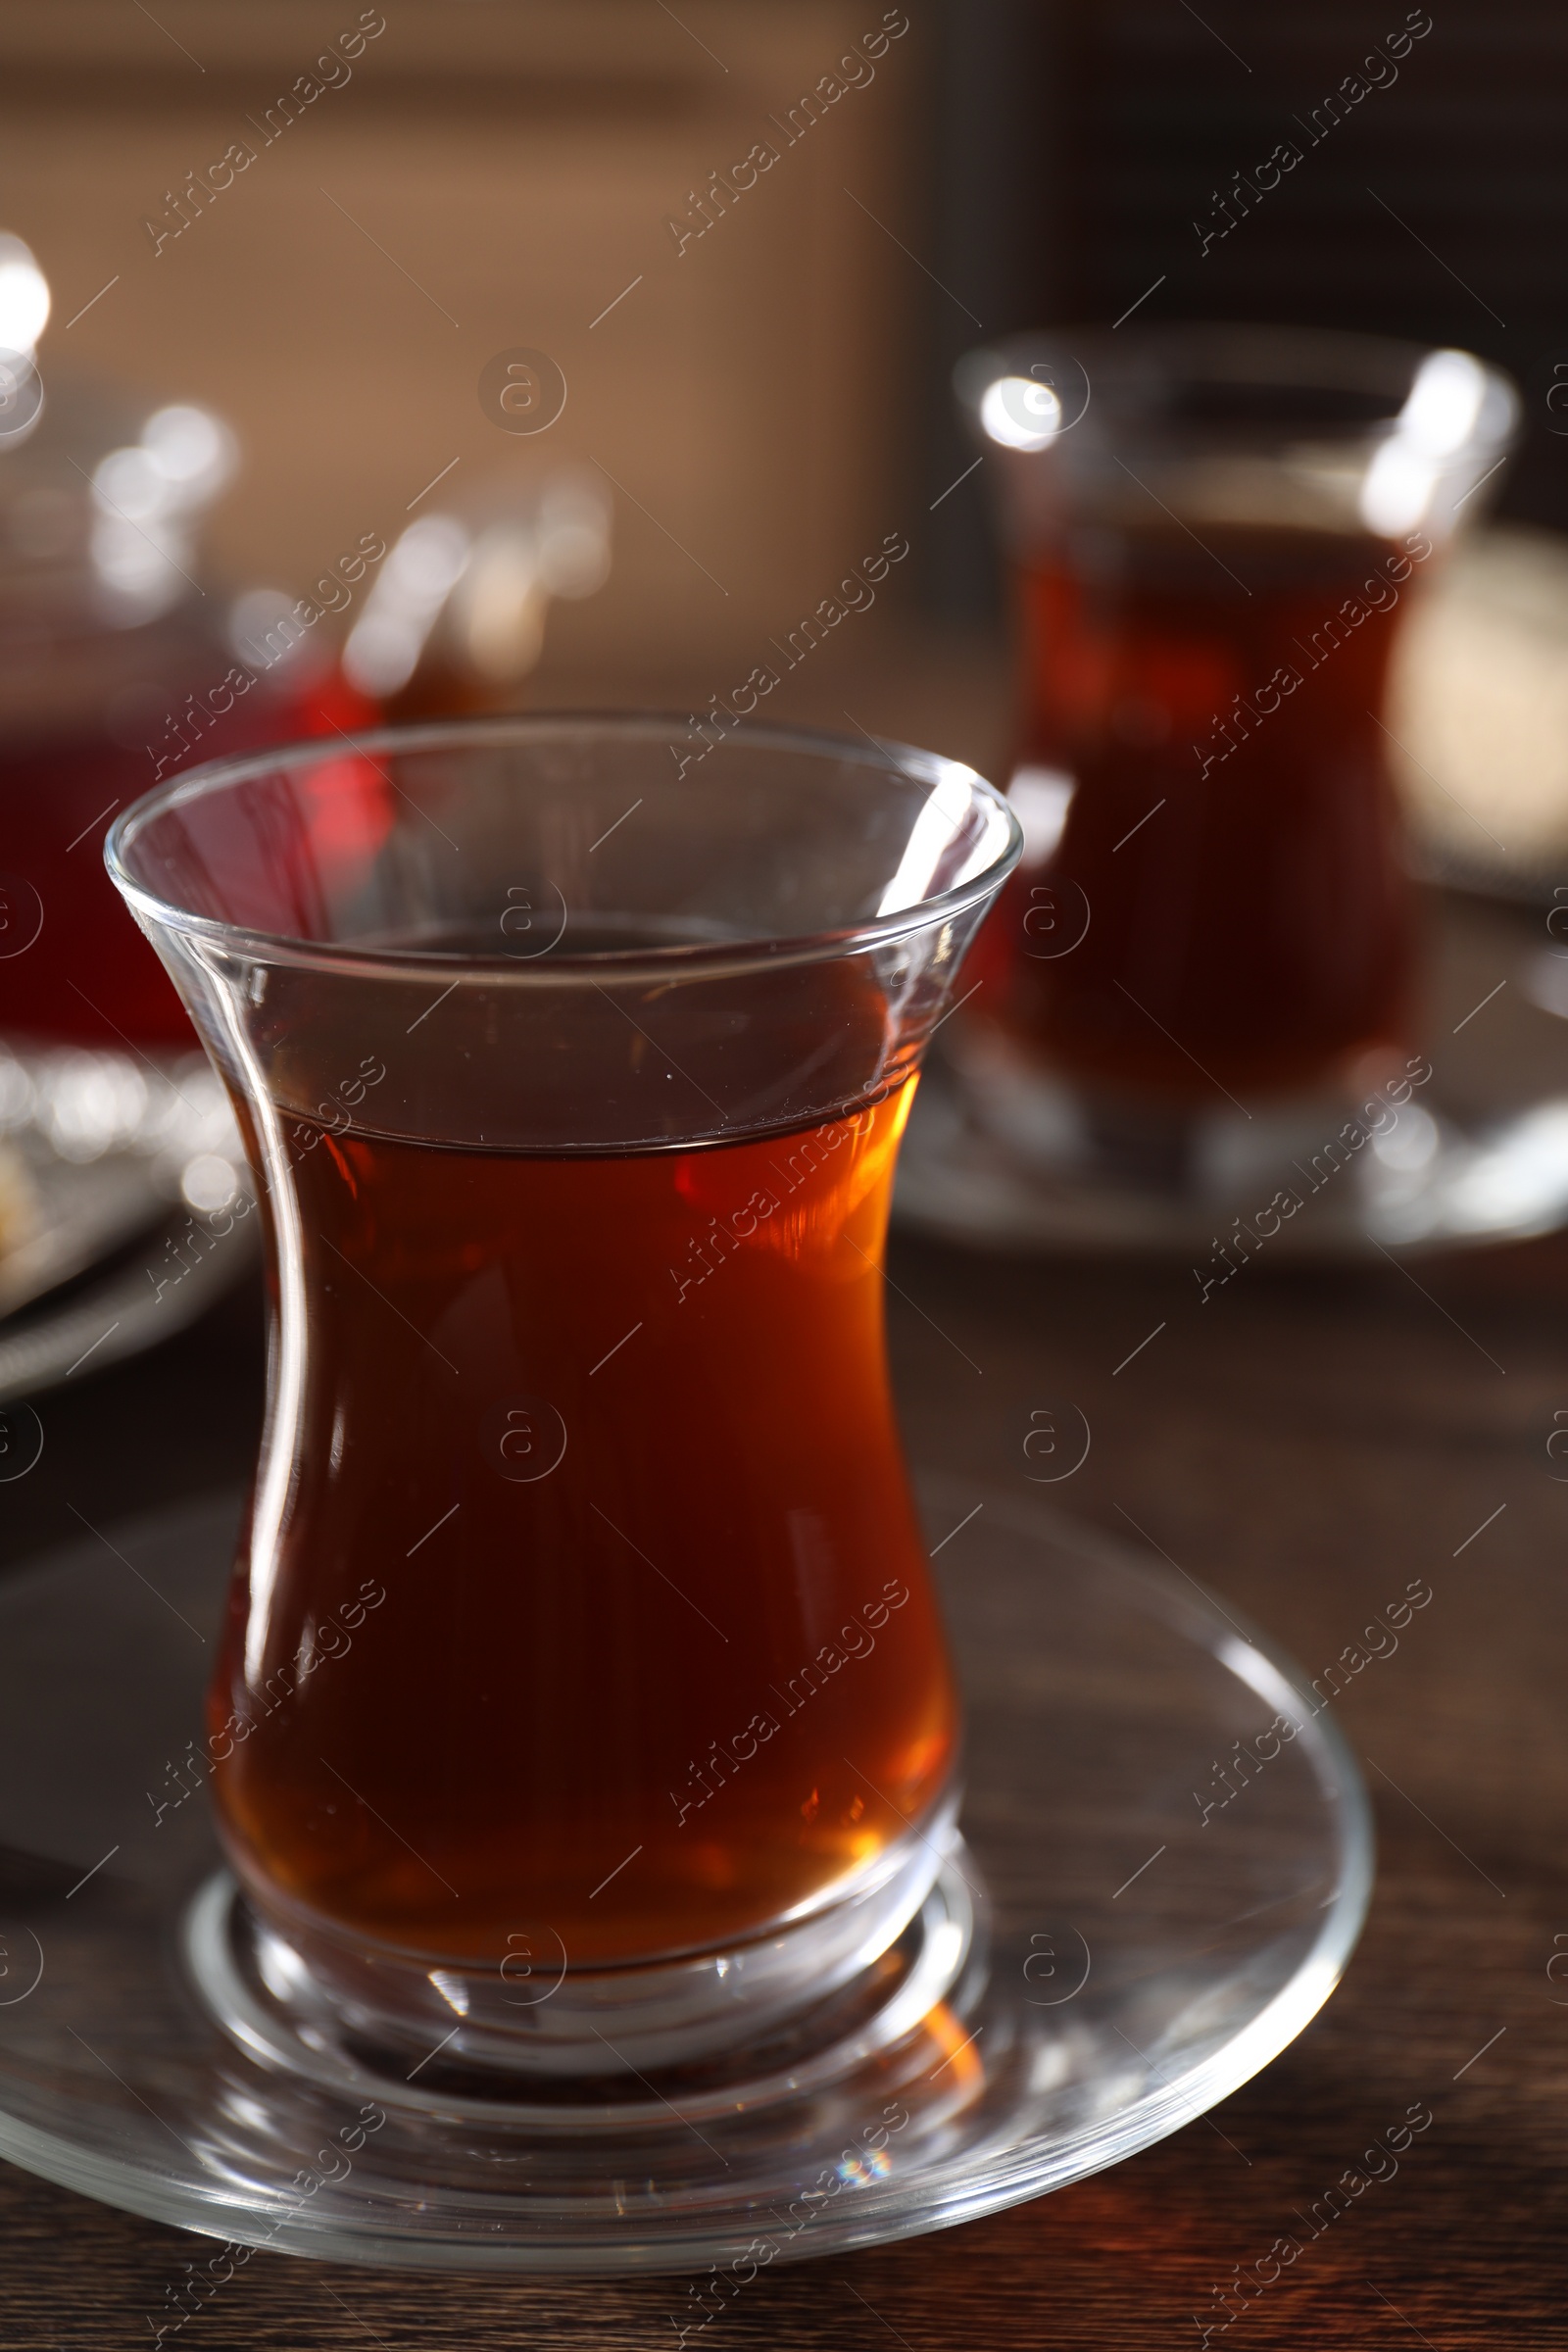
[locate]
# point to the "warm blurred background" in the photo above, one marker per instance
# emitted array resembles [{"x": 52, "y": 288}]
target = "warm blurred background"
[
  {"x": 755, "y": 374},
  {"x": 770, "y": 397},
  {"x": 478, "y": 178}
]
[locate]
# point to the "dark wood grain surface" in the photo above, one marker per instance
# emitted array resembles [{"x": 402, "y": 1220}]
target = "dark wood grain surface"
[{"x": 1305, "y": 1444}]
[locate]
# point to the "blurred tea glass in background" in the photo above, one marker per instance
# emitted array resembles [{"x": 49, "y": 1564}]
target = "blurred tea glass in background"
[{"x": 1214, "y": 535}]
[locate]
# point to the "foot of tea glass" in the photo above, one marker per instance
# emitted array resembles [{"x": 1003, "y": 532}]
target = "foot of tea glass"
[
  {"x": 1159, "y": 1918},
  {"x": 289, "y": 1991},
  {"x": 274, "y": 2011}
]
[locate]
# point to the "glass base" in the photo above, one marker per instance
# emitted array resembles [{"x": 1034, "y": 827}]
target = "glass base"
[
  {"x": 1166, "y": 1862},
  {"x": 304, "y": 1996},
  {"x": 279, "y": 2014}
]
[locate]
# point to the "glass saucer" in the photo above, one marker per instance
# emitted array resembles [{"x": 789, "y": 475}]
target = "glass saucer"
[
  {"x": 999, "y": 1155},
  {"x": 1166, "y": 1858},
  {"x": 1002, "y": 1158}
]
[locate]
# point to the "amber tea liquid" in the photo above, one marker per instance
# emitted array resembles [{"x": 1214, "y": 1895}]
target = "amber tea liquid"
[
  {"x": 1234, "y": 836},
  {"x": 659, "y": 1661}
]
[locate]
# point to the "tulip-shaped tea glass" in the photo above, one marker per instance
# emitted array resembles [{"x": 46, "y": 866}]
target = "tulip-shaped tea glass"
[
  {"x": 583, "y": 1704},
  {"x": 1214, "y": 534}
]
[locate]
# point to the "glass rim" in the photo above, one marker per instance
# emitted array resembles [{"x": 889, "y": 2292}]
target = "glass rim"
[
  {"x": 1306, "y": 358},
  {"x": 712, "y": 960}
]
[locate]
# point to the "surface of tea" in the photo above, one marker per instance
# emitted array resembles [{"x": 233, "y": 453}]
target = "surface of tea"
[
  {"x": 599, "y": 1622},
  {"x": 1226, "y": 905}
]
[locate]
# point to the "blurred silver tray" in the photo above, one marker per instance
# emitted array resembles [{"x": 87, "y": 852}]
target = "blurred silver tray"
[
  {"x": 124, "y": 1206},
  {"x": 1478, "y": 1154}
]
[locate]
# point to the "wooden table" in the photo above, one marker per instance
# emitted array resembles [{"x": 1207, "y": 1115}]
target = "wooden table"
[{"x": 1306, "y": 1444}]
